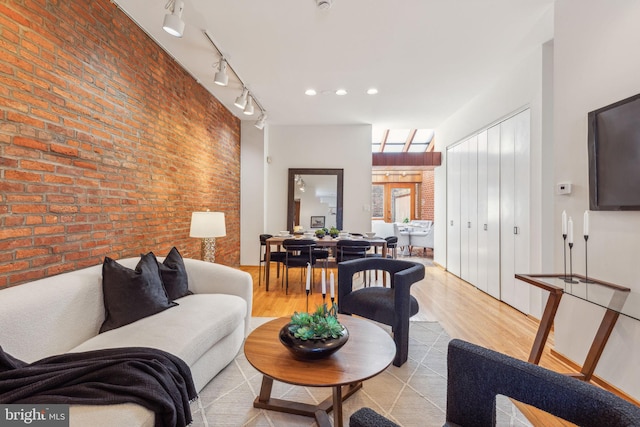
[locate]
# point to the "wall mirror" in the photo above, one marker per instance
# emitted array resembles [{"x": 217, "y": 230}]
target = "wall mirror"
[{"x": 315, "y": 199}]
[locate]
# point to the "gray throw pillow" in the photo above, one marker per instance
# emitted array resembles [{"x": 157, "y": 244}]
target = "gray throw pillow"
[{"x": 131, "y": 295}]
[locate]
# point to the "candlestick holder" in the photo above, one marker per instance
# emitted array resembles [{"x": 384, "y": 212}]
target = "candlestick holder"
[
  {"x": 324, "y": 297},
  {"x": 564, "y": 249},
  {"x": 307, "y": 300},
  {"x": 586, "y": 262},
  {"x": 570, "y": 278}
]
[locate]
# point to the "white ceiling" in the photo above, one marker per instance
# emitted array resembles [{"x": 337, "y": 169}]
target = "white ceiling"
[{"x": 427, "y": 58}]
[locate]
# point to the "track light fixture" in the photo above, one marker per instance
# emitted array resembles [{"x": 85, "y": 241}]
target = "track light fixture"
[
  {"x": 173, "y": 23},
  {"x": 245, "y": 100},
  {"x": 241, "y": 100},
  {"x": 261, "y": 121},
  {"x": 248, "y": 109},
  {"x": 222, "y": 78}
]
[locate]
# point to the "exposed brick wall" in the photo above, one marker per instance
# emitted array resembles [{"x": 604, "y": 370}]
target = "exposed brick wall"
[
  {"x": 426, "y": 205},
  {"x": 106, "y": 144}
]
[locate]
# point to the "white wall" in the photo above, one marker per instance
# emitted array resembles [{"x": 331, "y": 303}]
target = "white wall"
[
  {"x": 521, "y": 86},
  {"x": 264, "y": 185},
  {"x": 252, "y": 190},
  {"x": 596, "y": 64}
]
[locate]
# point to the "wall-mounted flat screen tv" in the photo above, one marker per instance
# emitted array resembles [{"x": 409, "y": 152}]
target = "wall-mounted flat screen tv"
[{"x": 614, "y": 156}]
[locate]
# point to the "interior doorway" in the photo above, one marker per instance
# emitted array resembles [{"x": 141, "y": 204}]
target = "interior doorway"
[{"x": 395, "y": 202}]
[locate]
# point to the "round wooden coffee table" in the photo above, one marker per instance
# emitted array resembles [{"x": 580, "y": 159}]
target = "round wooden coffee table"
[{"x": 367, "y": 353}]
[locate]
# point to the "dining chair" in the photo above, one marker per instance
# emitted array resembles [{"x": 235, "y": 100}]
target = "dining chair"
[
  {"x": 351, "y": 249},
  {"x": 298, "y": 253},
  {"x": 347, "y": 250},
  {"x": 275, "y": 256},
  {"x": 392, "y": 252}
]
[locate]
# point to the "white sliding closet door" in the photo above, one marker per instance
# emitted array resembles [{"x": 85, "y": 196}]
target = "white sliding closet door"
[
  {"x": 483, "y": 222},
  {"x": 514, "y": 208},
  {"x": 469, "y": 223},
  {"x": 453, "y": 210},
  {"x": 493, "y": 211}
]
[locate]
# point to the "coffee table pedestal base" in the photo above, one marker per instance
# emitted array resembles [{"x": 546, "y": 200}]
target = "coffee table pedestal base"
[{"x": 319, "y": 412}]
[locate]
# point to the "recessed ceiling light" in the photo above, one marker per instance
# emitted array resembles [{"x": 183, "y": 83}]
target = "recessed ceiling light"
[
  {"x": 310, "y": 92},
  {"x": 372, "y": 91},
  {"x": 341, "y": 92}
]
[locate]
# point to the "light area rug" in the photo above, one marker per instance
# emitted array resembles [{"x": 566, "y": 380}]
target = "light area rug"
[{"x": 411, "y": 395}]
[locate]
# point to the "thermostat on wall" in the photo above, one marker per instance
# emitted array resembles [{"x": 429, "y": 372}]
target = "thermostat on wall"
[{"x": 563, "y": 188}]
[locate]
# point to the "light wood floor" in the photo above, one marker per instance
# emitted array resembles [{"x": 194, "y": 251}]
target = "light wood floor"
[{"x": 462, "y": 310}]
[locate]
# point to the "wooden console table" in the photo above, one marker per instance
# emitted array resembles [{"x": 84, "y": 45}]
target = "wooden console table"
[{"x": 616, "y": 300}]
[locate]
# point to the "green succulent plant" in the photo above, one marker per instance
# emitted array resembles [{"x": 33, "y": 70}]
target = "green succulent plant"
[
  {"x": 322, "y": 324},
  {"x": 320, "y": 233}
]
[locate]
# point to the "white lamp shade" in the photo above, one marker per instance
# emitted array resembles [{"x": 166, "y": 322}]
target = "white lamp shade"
[
  {"x": 173, "y": 25},
  {"x": 241, "y": 100},
  {"x": 222, "y": 78},
  {"x": 248, "y": 109},
  {"x": 207, "y": 224}
]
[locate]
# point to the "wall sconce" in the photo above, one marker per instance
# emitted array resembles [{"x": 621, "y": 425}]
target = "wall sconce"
[{"x": 208, "y": 226}]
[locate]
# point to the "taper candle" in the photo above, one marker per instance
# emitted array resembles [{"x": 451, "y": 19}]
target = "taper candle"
[
  {"x": 564, "y": 223},
  {"x": 324, "y": 283},
  {"x": 331, "y": 285},
  {"x": 570, "y": 231},
  {"x": 308, "y": 276},
  {"x": 586, "y": 223}
]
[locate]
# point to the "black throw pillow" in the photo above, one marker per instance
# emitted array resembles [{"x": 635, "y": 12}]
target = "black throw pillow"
[
  {"x": 131, "y": 295},
  {"x": 174, "y": 275}
]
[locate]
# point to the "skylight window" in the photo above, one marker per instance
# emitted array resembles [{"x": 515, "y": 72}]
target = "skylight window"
[{"x": 401, "y": 140}]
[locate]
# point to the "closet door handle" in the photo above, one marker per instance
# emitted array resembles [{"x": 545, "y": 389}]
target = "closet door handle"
[
  {"x": 485, "y": 227},
  {"x": 516, "y": 230},
  {"x": 452, "y": 223},
  {"x": 469, "y": 224}
]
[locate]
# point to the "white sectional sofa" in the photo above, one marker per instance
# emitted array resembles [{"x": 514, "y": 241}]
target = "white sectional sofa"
[{"x": 63, "y": 313}]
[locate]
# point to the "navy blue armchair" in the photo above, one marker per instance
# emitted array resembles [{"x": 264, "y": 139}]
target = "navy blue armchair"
[
  {"x": 392, "y": 306},
  {"x": 476, "y": 375}
]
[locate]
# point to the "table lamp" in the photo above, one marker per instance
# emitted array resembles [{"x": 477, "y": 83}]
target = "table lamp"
[{"x": 208, "y": 226}]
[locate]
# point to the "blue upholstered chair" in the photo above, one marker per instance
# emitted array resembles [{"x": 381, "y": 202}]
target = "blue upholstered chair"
[
  {"x": 392, "y": 305},
  {"x": 476, "y": 375}
]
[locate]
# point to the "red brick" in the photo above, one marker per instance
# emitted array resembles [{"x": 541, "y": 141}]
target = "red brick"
[
  {"x": 37, "y": 166},
  {"x": 48, "y": 230},
  {"x": 66, "y": 150},
  {"x": 14, "y": 266},
  {"x": 30, "y": 253},
  {"x": 30, "y": 143},
  {"x": 108, "y": 143}
]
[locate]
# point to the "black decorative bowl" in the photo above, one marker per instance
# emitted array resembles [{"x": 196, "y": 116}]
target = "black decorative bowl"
[{"x": 311, "y": 349}]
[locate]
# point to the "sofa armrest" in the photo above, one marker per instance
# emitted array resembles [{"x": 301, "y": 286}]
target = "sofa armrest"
[{"x": 211, "y": 278}]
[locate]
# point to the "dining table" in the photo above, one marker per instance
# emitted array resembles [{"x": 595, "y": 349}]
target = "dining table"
[{"x": 326, "y": 241}]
